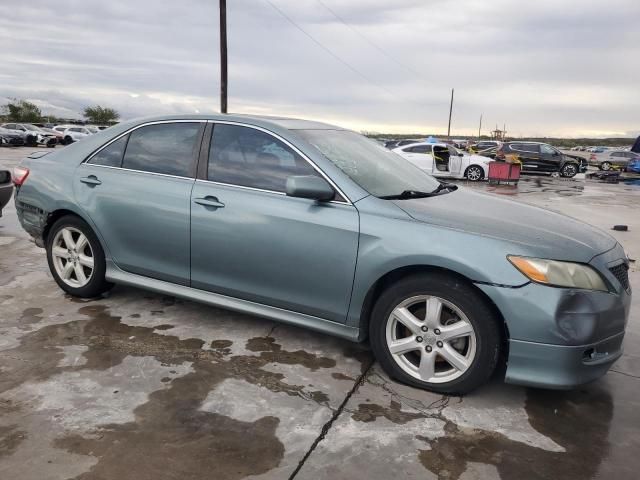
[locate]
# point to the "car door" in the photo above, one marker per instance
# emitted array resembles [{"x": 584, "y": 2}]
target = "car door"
[
  {"x": 137, "y": 192},
  {"x": 550, "y": 158},
  {"x": 251, "y": 241},
  {"x": 455, "y": 162},
  {"x": 529, "y": 155},
  {"x": 420, "y": 156}
]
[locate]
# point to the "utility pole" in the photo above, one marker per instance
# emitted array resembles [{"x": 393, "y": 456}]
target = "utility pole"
[
  {"x": 480, "y": 127},
  {"x": 450, "y": 110},
  {"x": 223, "y": 56}
]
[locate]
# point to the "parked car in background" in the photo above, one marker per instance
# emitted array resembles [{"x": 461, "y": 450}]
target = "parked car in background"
[
  {"x": 578, "y": 148},
  {"x": 537, "y": 157},
  {"x": 445, "y": 281},
  {"x": 34, "y": 136},
  {"x": 77, "y": 132},
  {"x": 484, "y": 145},
  {"x": 6, "y": 188},
  {"x": 11, "y": 138},
  {"x": 597, "y": 149},
  {"x": 446, "y": 161},
  {"x": 634, "y": 165},
  {"x": 612, "y": 159}
]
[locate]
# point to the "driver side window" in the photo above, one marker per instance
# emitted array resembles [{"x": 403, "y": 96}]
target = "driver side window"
[{"x": 249, "y": 157}]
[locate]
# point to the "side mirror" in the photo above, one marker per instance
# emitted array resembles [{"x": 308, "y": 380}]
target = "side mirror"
[{"x": 309, "y": 186}]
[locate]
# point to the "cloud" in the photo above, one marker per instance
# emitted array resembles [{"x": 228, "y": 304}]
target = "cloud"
[{"x": 543, "y": 68}]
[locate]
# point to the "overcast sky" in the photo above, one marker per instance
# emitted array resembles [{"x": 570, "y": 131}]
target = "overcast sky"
[{"x": 544, "y": 67}]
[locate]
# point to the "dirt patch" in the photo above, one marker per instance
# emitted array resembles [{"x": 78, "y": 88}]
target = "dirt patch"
[
  {"x": 170, "y": 437},
  {"x": 369, "y": 412},
  {"x": 10, "y": 438},
  {"x": 578, "y": 421},
  {"x": 342, "y": 376}
]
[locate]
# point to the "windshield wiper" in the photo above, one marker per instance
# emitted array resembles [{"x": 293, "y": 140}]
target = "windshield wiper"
[
  {"x": 445, "y": 186},
  {"x": 408, "y": 194}
]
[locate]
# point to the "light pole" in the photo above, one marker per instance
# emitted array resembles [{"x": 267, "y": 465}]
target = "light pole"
[{"x": 223, "y": 56}]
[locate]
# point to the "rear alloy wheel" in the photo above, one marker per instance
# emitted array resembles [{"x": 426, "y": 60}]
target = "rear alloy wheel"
[
  {"x": 605, "y": 166},
  {"x": 569, "y": 170},
  {"x": 76, "y": 258},
  {"x": 434, "y": 331},
  {"x": 474, "y": 173}
]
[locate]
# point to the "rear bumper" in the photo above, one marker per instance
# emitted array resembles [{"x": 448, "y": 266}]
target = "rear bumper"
[{"x": 559, "y": 366}]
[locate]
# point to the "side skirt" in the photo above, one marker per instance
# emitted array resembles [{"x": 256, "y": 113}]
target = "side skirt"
[{"x": 116, "y": 275}]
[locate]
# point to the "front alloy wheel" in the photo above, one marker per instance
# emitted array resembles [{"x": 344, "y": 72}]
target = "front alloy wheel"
[
  {"x": 431, "y": 339},
  {"x": 436, "y": 331},
  {"x": 605, "y": 166}
]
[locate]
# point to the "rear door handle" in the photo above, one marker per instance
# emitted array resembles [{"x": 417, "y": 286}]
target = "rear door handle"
[
  {"x": 91, "y": 180},
  {"x": 209, "y": 202}
]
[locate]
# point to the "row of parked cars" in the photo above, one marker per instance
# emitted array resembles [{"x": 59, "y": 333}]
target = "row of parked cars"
[
  {"x": 455, "y": 160},
  {"x": 19, "y": 134}
]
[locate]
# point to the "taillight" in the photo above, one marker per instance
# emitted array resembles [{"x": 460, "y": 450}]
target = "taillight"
[{"x": 20, "y": 174}]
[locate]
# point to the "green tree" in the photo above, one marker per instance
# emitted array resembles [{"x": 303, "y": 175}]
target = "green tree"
[
  {"x": 21, "y": 111},
  {"x": 101, "y": 115}
]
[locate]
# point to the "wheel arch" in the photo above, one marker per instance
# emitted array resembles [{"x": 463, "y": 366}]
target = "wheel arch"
[
  {"x": 475, "y": 165},
  {"x": 54, "y": 215},
  {"x": 401, "y": 272}
]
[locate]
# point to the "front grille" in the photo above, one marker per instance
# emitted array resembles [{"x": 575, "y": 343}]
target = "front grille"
[{"x": 621, "y": 272}]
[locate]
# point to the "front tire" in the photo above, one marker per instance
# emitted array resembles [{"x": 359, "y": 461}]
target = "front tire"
[
  {"x": 606, "y": 166},
  {"x": 436, "y": 332},
  {"x": 76, "y": 258}
]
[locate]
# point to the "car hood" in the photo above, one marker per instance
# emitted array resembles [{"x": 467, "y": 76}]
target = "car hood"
[{"x": 534, "y": 231}]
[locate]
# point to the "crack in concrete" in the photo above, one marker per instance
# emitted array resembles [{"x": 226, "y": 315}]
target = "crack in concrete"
[{"x": 327, "y": 426}]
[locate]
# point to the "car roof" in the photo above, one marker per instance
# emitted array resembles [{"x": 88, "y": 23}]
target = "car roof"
[
  {"x": 437, "y": 144},
  {"x": 258, "y": 120}
]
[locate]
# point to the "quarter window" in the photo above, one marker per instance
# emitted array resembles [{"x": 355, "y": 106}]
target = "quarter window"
[
  {"x": 251, "y": 158},
  {"x": 111, "y": 155},
  {"x": 167, "y": 148}
]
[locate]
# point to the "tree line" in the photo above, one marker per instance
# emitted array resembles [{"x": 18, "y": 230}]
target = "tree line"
[{"x": 17, "y": 110}]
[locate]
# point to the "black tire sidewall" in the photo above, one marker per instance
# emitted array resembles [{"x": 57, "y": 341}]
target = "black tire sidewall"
[
  {"x": 463, "y": 295},
  {"x": 97, "y": 284}
]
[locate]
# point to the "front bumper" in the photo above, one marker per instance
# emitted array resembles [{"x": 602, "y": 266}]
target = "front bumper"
[
  {"x": 561, "y": 337},
  {"x": 560, "y": 366}
]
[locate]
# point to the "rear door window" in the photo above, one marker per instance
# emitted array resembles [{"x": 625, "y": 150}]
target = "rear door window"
[
  {"x": 249, "y": 157},
  {"x": 167, "y": 148},
  {"x": 111, "y": 155}
]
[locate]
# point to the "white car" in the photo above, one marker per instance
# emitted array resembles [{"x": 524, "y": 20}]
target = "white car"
[
  {"x": 73, "y": 133},
  {"x": 33, "y": 136},
  {"x": 442, "y": 160}
]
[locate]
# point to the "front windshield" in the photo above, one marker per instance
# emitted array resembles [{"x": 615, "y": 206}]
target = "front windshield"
[
  {"x": 375, "y": 168},
  {"x": 33, "y": 128},
  {"x": 93, "y": 129}
]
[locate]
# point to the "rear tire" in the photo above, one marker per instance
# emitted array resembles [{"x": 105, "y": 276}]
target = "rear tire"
[
  {"x": 474, "y": 173},
  {"x": 606, "y": 166},
  {"x": 428, "y": 354},
  {"x": 76, "y": 258}
]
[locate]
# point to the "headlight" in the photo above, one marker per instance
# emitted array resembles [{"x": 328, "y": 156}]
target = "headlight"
[{"x": 559, "y": 274}]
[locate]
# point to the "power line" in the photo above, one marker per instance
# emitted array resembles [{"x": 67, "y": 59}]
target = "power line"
[
  {"x": 328, "y": 50},
  {"x": 368, "y": 40}
]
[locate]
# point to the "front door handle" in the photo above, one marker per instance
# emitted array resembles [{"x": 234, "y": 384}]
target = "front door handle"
[
  {"x": 209, "y": 201},
  {"x": 91, "y": 180}
]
